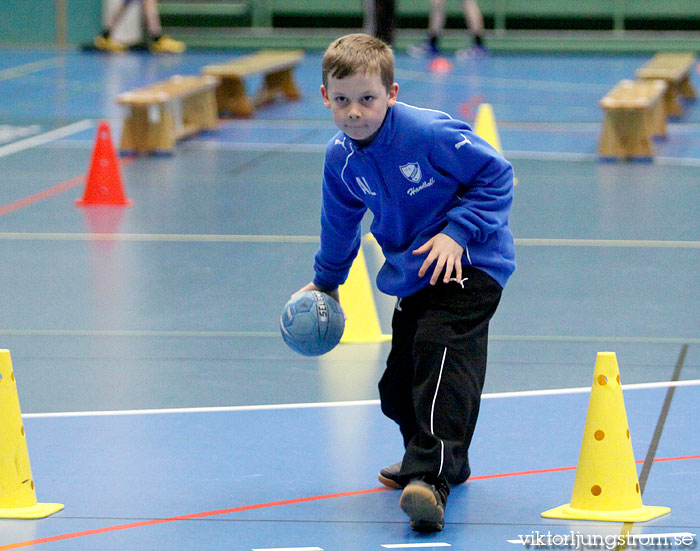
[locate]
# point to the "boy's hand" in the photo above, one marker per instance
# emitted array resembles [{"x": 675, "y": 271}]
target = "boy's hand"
[
  {"x": 448, "y": 254},
  {"x": 311, "y": 287}
]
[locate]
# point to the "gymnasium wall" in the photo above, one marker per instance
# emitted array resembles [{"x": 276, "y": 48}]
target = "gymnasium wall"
[
  {"x": 44, "y": 22},
  {"x": 72, "y": 22},
  {"x": 504, "y": 14}
]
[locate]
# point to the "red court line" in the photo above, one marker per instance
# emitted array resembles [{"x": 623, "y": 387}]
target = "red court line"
[
  {"x": 191, "y": 516},
  {"x": 154, "y": 522},
  {"x": 50, "y": 192}
]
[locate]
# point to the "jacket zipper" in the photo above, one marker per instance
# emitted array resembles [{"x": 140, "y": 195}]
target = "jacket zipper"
[{"x": 382, "y": 183}]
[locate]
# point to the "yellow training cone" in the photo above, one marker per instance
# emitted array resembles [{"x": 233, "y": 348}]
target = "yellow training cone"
[
  {"x": 606, "y": 485},
  {"x": 17, "y": 495},
  {"x": 357, "y": 300},
  {"x": 485, "y": 126}
]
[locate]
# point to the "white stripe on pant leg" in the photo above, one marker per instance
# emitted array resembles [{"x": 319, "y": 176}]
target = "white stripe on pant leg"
[{"x": 432, "y": 413}]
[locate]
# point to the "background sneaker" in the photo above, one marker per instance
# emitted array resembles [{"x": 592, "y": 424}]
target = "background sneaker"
[
  {"x": 106, "y": 44},
  {"x": 389, "y": 476},
  {"x": 424, "y": 49},
  {"x": 472, "y": 53},
  {"x": 167, "y": 45}
]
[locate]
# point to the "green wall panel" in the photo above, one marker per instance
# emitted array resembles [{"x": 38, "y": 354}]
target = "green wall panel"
[
  {"x": 44, "y": 22},
  {"x": 27, "y": 21}
]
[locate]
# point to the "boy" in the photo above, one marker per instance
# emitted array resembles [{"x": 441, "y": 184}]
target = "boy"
[{"x": 440, "y": 197}]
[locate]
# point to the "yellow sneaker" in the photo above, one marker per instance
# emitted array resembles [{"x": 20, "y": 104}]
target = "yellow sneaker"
[
  {"x": 167, "y": 45},
  {"x": 108, "y": 45}
]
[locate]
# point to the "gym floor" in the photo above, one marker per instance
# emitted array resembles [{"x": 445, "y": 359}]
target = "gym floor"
[{"x": 162, "y": 407}]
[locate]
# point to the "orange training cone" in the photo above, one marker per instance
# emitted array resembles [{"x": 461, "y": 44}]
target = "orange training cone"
[
  {"x": 104, "y": 183},
  {"x": 440, "y": 65}
]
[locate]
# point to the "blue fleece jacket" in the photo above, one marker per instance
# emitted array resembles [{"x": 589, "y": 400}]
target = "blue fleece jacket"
[{"x": 422, "y": 174}]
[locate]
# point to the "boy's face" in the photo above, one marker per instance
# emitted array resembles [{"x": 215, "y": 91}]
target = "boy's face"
[{"x": 359, "y": 103}]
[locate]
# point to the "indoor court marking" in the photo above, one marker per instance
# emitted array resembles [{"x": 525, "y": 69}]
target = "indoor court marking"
[
  {"x": 160, "y": 403},
  {"x": 159, "y": 418}
]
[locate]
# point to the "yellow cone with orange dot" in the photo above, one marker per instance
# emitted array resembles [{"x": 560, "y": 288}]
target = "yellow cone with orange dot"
[
  {"x": 606, "y": 485},
  {"x": 17, "y": 494}
]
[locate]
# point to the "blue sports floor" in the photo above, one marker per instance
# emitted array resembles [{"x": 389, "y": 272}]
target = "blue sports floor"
[{"x": 161, "y": 405}]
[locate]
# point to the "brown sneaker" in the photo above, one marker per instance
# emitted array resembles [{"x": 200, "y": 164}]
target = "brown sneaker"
[
  {"x": 389, "y": 476},
  {"x": 425, "y": 505}
]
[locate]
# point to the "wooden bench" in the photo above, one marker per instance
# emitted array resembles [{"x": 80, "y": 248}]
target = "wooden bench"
[
  {"x": 675, "y": 69},
  {"x": 634, "y": 114},
  {"x": 165, "y": 112},
  {"x": 276, "y": 66}
]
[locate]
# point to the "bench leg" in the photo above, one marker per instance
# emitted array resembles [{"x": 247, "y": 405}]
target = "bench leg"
[
  {"x": 657, "y": 119},
  {"x": 280, "y": 83},
  {"x": 231, "y": 98},
  {"x": 671, "y": 96},
  {"x": 199, "y": 112},
  {"x": 148, "y": 129},
  {"x": 625, "y": 135},
  {"x": 686, "y": 88}
]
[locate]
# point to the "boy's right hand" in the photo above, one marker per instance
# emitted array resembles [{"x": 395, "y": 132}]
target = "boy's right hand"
[{"x": 311, "y": 287}]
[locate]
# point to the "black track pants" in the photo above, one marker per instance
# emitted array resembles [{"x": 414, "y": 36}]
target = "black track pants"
[{"x": 435, "y": 374}]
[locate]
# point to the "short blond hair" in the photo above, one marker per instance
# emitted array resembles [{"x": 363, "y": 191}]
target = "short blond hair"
[{"x": 358, "y": 53}]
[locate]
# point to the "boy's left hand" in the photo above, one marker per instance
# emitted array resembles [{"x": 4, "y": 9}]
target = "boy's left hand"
[{"x": 448, "y": 254}]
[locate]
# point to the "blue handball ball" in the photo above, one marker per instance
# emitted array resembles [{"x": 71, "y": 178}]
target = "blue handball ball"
[{"x": 312, "y": 323}]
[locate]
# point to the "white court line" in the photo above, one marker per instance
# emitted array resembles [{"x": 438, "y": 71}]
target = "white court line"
[
  {"x": 46, "y": 137},
  {"x": 136, "y": 334},
  {"x": 602, "y": 338},
  {"x": 256, "y": 146},
  {"x": 549, "y": 156},
  {"x": 505, "y": 83},
  {"x": 233, "y": 238},
  {"x": 585, "y": 389},
  {"x": 28, "y": 68},
  {"x": 493, "y": 395},
  {"x": 218, "y": 409},
  {"x": 206, "y": 145},
  {"x": 174, "y": 237},
  {"x": 512, "y": 155},
  {"x": 676, "y": 161},
  {"x": 414, "y": 545},
  {"x": 288, "y": 549},
  {"x": 121, "y": 333},
  {"x": 627, "y": 243},
  {"x": 588, "y": 157}
]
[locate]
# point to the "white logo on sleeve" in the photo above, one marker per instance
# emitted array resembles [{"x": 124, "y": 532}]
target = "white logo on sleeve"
[
  {"x": 465, "y": 141},
  {"x": 412, "y": 172},
  {"x": 364, "y": 186}
]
